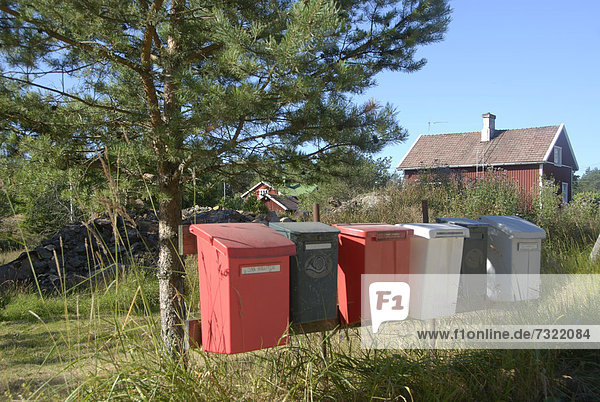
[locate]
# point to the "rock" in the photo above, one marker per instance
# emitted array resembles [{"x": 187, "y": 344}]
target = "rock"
[
  {"x": 13, "y": 273},
  {"x": 41, "y": 267},
  {"x": 26, "y": 264},
  {"x": 76, "y": 263},
  {"x": 334, "y": 202},
  {"x": 43, "y": 253},
  {"x": 272, "y": 217},
  {"x": 302, "y": 215}
]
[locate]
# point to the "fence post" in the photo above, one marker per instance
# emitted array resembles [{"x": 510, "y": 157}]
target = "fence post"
[
  {"x": 316, "y": 213},
  {"x": 425, "y": 209},
  {"x": 596, "y": 250}
]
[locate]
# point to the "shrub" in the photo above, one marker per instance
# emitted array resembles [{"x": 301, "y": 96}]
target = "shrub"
[
  {"x": 254, "y": 205},
  {"x": 492, "y": 194},
  {"x": 235, "y": 202}
]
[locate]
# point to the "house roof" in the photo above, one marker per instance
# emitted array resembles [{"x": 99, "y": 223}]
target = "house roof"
[
  {"x": 508, "y": 147},
  {"x": 297, "y": 190},
  {"x": 256, "y": 186},
  {"x": 285, "y": 202},
  {"x": 294, "y": 190}
]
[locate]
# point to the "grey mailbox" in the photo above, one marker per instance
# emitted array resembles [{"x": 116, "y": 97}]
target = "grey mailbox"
[
  {"x": 513, "y": 258},
  {"x": 473, "y": 282},
  {"x": 475, "y": 246},
  {"x": 313, "y": 270}
]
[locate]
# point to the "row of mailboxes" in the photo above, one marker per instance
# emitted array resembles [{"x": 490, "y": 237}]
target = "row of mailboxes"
[{"x": 254, "y": 279}]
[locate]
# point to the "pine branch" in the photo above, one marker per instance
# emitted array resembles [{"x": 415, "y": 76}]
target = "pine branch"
[
  {"x": 68, "y": 95},
  {"x": 84, "y": 45},
  {"x": 204, "y": 52},
  {"x": 93, "y": 47}
]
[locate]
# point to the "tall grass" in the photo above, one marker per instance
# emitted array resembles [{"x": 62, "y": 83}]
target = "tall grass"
[{"x": 103, "y": 341}]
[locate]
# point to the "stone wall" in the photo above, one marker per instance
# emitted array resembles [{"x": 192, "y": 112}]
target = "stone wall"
[{"x": 81, "y": 251}]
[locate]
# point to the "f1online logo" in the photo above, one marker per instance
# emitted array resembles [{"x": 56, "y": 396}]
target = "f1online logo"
[{"x": 388, "y": 301}]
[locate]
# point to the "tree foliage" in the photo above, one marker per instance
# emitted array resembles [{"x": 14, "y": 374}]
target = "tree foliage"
[
  {"x": 167, "y": 88},
  {"x": 352, "y": 176},
  {"x": 589, "y": 181}
]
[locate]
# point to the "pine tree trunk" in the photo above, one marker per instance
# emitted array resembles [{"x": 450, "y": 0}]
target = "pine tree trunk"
[{"x": 171, "y": 272}]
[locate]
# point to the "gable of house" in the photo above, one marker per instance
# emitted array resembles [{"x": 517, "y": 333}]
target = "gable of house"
[
  {"x": 566, "y": 153},
  {"x": 256, "y": 190},
  {"x": 506, "y": 147},
  {"x": 274, "y": 199}
]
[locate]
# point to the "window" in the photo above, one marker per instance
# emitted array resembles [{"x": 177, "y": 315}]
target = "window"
[
  {"x": 557, "y": 155},
  {"x": 262, "y": 192},
  {"x": 565, "y": 192}
]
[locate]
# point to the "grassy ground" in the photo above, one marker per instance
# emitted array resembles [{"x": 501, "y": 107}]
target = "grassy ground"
[
  {"x": 103, "y": 343},
  {"x": 37, "y": 359},
  {"x": 76, "y": 361}
]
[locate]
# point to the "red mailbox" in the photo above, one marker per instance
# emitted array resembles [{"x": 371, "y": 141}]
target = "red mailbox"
[
  {"x": 244, "y": 286},
  {"x": 368, "y": 249}
]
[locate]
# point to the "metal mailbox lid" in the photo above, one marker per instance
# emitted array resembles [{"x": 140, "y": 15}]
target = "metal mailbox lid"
[
  {"x": 514, "y": 226},
  {"x": 466, "y": 222},
  {"x": 437, "y": 230},
  {"x": 304, "y": 227},
  {"x": 380, "y": 231},
  {"x": 245, "y": 240}
]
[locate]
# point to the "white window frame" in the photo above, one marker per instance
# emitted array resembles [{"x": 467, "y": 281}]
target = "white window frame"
[
  {"x": 262, "y": 192},
  {"x": 564, "y": 187},
  {"x": 558, "y": 155}
]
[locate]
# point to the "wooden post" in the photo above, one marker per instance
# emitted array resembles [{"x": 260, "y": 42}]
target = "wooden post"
[
  {"x": 425, "y": 209},
  {"x": 596, "y": 250},
  {"x": 316, "y": 213}
]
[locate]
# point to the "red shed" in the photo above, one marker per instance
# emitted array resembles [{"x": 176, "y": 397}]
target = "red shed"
[
  {"x": 525, "y": 155},
  {"x": 273, "y": 199}
]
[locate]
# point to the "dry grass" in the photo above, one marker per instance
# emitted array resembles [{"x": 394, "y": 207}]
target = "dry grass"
[{"x": 9, "y": 256}]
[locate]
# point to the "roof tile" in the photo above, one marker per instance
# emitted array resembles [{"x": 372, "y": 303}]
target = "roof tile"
[{"x": 527, "y": 145}]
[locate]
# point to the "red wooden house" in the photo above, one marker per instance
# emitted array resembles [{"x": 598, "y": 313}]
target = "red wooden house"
[
  {"x": 525, "y": 155},
  {"x": 273, "y": 199}
]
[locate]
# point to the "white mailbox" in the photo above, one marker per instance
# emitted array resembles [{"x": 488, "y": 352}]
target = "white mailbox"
[{"x": 435, "y": 251}]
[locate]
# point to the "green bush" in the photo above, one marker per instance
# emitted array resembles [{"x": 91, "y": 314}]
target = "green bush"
[
  {"x": 577, "y": 222},
  {"x": 446, "y": 195},
  {"x": 492, "y": 194},
  {"x": 235, "y": 202},
  {"x": 254, "y": 205},
  {"x": 591, "y": 199}
]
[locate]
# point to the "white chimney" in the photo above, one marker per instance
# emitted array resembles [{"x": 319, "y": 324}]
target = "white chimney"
[{"x": 489, "y": 127}]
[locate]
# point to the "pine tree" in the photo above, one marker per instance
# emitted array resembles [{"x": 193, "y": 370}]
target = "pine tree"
[{"x": 213, "y": 86}]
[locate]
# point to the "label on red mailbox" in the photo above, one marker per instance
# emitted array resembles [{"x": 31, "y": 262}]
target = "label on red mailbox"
[
  {"x": 390, "y": 236},
  {"x": 260, "y": 269}
]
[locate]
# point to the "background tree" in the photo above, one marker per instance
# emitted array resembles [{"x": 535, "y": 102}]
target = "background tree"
[
  {"x": 212, "y": 86},
  {"x": 589, "y": 181},
  {"x": 353, "y": 175}
]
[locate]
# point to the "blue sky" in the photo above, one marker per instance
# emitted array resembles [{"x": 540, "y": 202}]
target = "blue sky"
[{"x": 530, "y": 62}]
